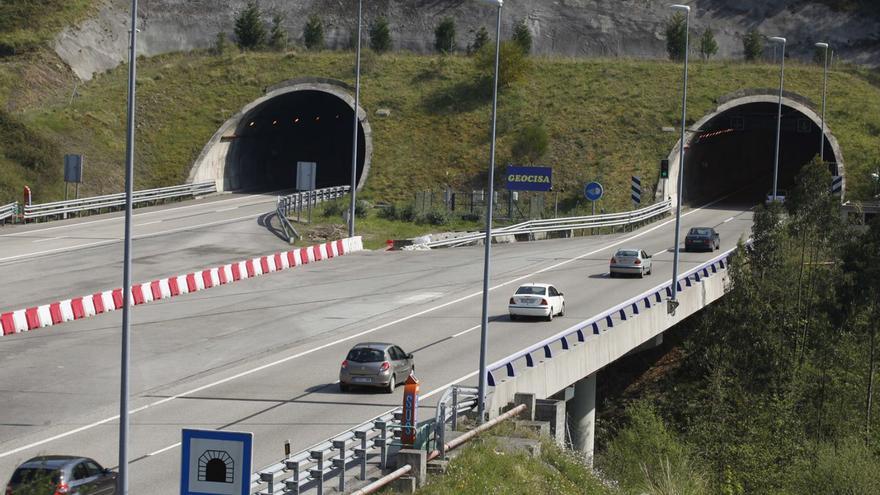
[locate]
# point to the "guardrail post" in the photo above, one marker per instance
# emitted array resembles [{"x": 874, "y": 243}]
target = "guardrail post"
[
  {"x": 441, "y": 431},
  {"x": 269, "y": 479},
  {"x": 317, "y": 474},
  {"x": 454, "y": 408},
  {"x": 293, "y": 485},
  {"x": 382, "y": 426},
  {"x": 362, "y": 453},
  {"x": 340, "y": 463}
]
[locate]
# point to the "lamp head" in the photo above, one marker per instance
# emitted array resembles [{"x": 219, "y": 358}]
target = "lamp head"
[
  {"x": 822, "y": 45},
  {"x": 682, "y": 8},
  {"x": 494, "y": 3},
  {"x": 777, "y": 39}
]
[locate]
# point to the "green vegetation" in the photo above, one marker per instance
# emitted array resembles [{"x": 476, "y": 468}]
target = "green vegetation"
[
  {"x": 753, "y": 45},
  {"x": 380, "y": 36},
  {"x": 25, "y": 25},
  {"x": 250, "y": 33},
  {"x": 708, "y": 45},
  {"x": 522, "y": 37},
  {"x": 676, "y": 36},
  {"x": 481, "y": 37},
  {"x": 314, "y": 33},
  {"x": 444, "y": 36},
  {"x": 277, "y": 35}
]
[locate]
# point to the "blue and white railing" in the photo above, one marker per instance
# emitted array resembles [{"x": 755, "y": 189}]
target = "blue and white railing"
[{"x": 631, "y": 308}]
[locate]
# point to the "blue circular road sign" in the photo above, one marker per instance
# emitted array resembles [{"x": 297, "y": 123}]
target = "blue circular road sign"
[{"x": 593, "y": 191}]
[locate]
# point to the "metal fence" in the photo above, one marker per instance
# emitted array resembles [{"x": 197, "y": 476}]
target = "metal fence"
[
  {"x": 563, "y": 224},
  {"x": 99, "y": 204},
  {"x": 8, "y": 211},
  {"x": 286, "y": 206},
  {"x": 333, "y": 460},
  {"x": 628, "y": 309}
]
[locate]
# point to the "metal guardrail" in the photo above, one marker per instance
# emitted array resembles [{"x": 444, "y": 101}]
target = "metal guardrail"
[
  {"x": 561, "y": 224},
  {"x": 96, "y": 203},
  {"x": 578, "y": 332},
  {"x": 285, "y": 206},
  {"x": 8, "y": 211},
  {"x": 310, "y": 469}
]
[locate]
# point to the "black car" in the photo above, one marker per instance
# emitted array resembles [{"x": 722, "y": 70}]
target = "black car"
[
  {"x": 63, "y": 474},
  {"x": 702, "y": 239}
]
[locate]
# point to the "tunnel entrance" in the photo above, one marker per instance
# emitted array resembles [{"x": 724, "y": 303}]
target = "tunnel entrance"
[
  {"x": 296, "y": 121},
  {"x": 733, "y": 148}
]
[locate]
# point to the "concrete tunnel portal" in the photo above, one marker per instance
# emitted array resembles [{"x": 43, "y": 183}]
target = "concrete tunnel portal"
[
  {"x": 305, "y": 120},
  {"x": 733, "y": 147}
]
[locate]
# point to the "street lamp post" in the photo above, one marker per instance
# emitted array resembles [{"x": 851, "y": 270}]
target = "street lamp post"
[
  {"x": 123, "y": 478},
  {"x": 824, "y": 99},
  {"x": 354, "y": 139},
  {"x": 484, "y": 323},
  {"x": 781, "y": 41},
  {"x": 673, "y": 302}
]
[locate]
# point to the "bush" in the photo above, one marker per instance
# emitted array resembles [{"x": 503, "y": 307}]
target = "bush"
[
  {"x": 335, "y": 208},
  {"x": 361, "y": 208},
  {"x": 444, "y": 36},
  {"x": 314, "y": 33},
  {"x": 221, "y": 44},
  {"x": 675, "y": 36},
  {"x": 753, "y": 45},
  {"x": 250, "y": 33},
  {"x": 531, "y": 143},
  {"x": 512, "y": 66},
  {"x": 522, "y": 37},
  {"x": 435, "y": 217},
  {"x": 380, "y": 36},
  {"x": 708, "y": 45},
  {"x": 849, "y": 467}
]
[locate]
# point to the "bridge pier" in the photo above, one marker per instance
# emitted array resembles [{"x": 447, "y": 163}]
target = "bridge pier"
[{"x": 582, "y": 411}]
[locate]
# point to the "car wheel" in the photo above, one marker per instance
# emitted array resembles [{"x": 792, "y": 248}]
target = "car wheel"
[
  {"x": 642, "y": 273},
  {"x": 391, "y": 385},
  {"x": 344, "y": 388},
  {"x": 412, "y": 369},
  {"x": 550, "y": 315},
  {"x": 562, "y": 312},
  {"x": 612, "y": 275},
  {"x": 512, "y": 317}
]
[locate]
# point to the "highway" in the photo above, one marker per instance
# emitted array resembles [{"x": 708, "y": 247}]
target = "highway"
[
  {"x": 262, "y": 355},
  {"x": 45, "y": 262}
]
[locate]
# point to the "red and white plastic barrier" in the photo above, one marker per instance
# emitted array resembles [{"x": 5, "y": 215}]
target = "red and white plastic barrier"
[{"x": 47, "y": 315}]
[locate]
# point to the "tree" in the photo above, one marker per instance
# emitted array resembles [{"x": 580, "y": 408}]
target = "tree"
[
  {"x": 221, "y": 44},
  {"x": 708, "y": 45},
  {"x": 512, "y": 65},
  {"x": 753, "y": 45},
  {"x": 444, "y": 36},
  {"x": 522, "y": 37},
  {"x": 250, "y": 33},
  {"x": 380, "y": 36},
  {"x": 676, "y": 33},
  {"x": 480, "y": 39},
  {"x": 314, "y": 33},
  {"x": 277, "y": 37}
]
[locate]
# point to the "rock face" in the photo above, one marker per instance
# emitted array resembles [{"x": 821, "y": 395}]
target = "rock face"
[{"x": 588, "y": 28}]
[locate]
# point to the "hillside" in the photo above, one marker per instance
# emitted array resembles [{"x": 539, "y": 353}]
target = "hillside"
[{"x": 604, "y": 117}]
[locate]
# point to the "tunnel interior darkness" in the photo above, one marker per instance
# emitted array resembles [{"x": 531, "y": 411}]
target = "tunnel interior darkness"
[
  {"x": 298, "y": 126},
  {"x": 736, "y": 150}
]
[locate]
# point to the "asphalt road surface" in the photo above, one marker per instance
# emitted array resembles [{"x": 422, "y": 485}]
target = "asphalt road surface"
[{"x": 262, "y": 355}]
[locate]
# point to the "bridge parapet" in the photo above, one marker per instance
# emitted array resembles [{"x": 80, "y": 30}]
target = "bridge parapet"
[{"x": 579, "y": 351}]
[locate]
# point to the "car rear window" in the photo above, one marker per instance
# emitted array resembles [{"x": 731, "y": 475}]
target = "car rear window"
[
  {"x": 700, "y": 232},
  {"x": 365, "y": 355},
  {"x": 32, "y": 475},
  {"x": 629, "y": 253},
  {"x": 535, "y": 291}
]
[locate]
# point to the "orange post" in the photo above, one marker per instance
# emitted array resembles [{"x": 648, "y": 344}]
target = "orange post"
[{"x": 410, "y": 411}]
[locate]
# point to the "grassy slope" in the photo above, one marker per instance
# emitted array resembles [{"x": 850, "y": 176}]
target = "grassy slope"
[{"x": 604, "y": 116}]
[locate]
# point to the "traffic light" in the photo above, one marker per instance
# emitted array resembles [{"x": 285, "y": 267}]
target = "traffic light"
[{"x": 664, "y": 169}]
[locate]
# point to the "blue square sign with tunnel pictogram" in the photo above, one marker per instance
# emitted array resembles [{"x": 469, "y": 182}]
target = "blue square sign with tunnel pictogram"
[{"x": 215, "y": 462}]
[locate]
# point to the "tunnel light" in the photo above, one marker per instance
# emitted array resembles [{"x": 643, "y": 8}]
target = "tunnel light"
[
  {"x": 251, "y": 124},
  {"x": 318, "y": 118},
  {"x": 296, "y": 120},
  {"x": 274, "y": 122},
  {"x": 337, "y": 115}
]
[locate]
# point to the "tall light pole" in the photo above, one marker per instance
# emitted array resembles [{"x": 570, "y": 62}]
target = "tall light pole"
[
  {"x": 122, "y": 479},
  {"x": 484, "y": 323},
  {"x": 673, "y": 302},
  {"x": 824, "y": 46},
  {"x": 781, "y": 41},
  {"x": 354, "y": 139}
]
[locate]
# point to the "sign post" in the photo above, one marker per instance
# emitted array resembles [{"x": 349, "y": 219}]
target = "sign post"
[
  {"x": 215, "y": 462},
  {"x": 593, "y": 192},
  {"x": 410, "y": 420},
  {"x": 305, "y": 181}
]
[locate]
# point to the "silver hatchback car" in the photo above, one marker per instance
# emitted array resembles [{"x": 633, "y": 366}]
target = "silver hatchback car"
[
  {"x": 375, "y": 364},
  {"x": 628, "y": 261}
]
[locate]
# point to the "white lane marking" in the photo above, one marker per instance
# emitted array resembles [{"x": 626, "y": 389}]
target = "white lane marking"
[
  {"x": 163, "y": 450},
  {"x": 344, "y": 339},
  {"x": 729, "y": 219},
  {"x": 471, "y": 329},
  {"x": 143, "y": 236},
  {"x": 48, "y": 239},
  {"x": 122, "y": 217},
  {"x": 148, "y": 223},
  {"x": 659, "y": 252}
]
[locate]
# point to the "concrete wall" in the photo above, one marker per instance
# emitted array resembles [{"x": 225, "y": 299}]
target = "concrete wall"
[{"x": 550, "y": 376}]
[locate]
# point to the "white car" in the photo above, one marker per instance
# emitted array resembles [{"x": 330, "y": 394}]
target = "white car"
[{"x": 540, "y": 300}]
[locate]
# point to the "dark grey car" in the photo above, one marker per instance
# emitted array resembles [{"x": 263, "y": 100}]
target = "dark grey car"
[
  {"x": 375, "y": 364},
  {"x": 702, "y": 238},
  {"x": 63, "y": 474}
]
